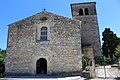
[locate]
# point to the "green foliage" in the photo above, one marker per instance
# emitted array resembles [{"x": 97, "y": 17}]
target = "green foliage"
[
  {"x": 2, "y": 56},
  {"x": 99, "y": 61},
  {"x": 87, "y": 68},
  {"x": 108, "y": 60},
  {"x": 119, "y": 39},
  {"x": 84, "y": 62},
  {"x": 2, "y": 61},
  {"x": 117, "y": 51},
  {"x": 96, "y": 65},
  {"x": 110, "y": 42}
]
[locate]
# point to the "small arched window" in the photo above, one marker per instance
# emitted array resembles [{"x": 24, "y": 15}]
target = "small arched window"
[
  {"x": 43, "y": 19},
  {"x": 81, "y": 12},
  {"x": 43, "y": 36},
  {"x": 86, "y": 11}
]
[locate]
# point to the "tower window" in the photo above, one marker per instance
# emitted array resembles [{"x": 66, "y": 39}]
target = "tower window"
[
  {"x": 86, "y": 11},
  {"x": 43, "y": 36},
  {"x": 81, "y": 12}
]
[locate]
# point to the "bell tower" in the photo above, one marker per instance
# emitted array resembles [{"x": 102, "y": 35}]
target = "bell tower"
[{"x": 86, "y": 13}]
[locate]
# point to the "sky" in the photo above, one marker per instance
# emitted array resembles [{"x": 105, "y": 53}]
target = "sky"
[{"x": 108, "y": 13}]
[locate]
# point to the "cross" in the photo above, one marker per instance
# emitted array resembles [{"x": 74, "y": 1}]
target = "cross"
[{"x": 44, "y": 9}]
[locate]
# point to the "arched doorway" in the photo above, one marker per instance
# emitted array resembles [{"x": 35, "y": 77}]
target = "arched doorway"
[{"x": 41, "y": 66}]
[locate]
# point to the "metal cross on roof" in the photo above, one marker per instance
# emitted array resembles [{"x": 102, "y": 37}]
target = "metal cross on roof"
[{"x": 44, "y": 9}]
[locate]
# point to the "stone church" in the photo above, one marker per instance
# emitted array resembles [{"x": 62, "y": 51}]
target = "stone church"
[{"x": 47, "y": 43}]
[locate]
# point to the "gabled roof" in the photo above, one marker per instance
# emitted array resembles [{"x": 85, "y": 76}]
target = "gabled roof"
[{"x": 39, "y": 15}]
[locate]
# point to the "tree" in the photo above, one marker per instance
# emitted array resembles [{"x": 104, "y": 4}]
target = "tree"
[
  {"x": 2, "y": 56},
  {"x": 2, "y": 61},
  {"x": 117, "y": 51},
  {"x": 117, "y": 55},
  {"x": 110, "y": 42},
  {"x": 119, "y": 40}
]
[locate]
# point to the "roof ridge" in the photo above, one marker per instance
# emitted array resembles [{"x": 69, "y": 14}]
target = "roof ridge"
[{"x": 41, "y": 13}]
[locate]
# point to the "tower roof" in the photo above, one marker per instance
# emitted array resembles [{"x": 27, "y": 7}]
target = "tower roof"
[{"x": 83, "y": 3}]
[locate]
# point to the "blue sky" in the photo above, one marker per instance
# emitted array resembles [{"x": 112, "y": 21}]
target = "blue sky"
[{"x": 13, "y": 10}]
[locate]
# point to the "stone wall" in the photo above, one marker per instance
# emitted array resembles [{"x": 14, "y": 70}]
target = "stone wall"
[
  {"x": 90, "y": 33},
  {"x": 89, "y": 26},
  {"x": 62, "y": 50},
  {"x": 88, "y": 54}
]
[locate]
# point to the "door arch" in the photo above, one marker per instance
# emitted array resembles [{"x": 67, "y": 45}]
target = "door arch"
[{"x": 41, "y": 66}]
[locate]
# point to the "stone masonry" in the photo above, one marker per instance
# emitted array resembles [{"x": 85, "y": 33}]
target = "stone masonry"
[
  {"x": 50, "y": 44},
  {"x": 62, "y": 50},
  {"x": 89, "y": 25}
]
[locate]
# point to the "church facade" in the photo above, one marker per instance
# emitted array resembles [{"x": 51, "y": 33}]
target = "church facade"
[{"x": 46, "y": 43}]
